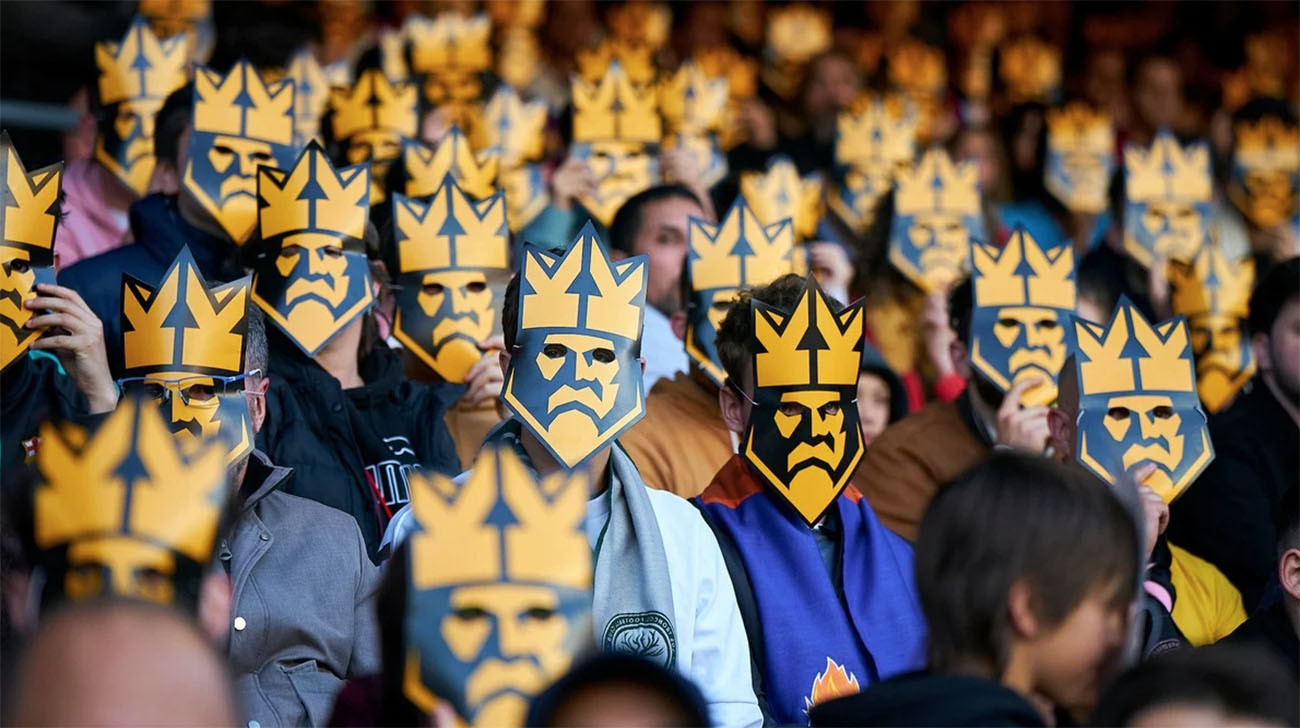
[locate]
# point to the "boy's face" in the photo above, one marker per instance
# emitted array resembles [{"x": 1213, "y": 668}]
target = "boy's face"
[
  {"x": 1073, "y": 660},
  {"x": 873, "y": 405}
]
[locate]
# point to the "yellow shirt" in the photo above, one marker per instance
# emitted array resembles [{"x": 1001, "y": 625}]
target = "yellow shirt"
[{"x": 1207, "y": 607}]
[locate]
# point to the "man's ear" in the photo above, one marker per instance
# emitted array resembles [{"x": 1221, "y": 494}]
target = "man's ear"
[
  {"x": 503, "y": 357},
  {"x": 733, "y": 410},
  {"x": 960, "y": 356},
  {"x": 1061, "y": 433},
  {"x": 1020, "y": 612},
  {"x": 257, "y": 402},
  {"x": 678, "y": 323},
  {"x": 1288, "y": 572},
  {"x": 1263, "y": 356},
  {"x": 166, "y": 178}
]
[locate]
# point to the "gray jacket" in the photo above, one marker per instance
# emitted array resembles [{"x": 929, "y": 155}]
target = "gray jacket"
[{"x": 302, "y": 612}]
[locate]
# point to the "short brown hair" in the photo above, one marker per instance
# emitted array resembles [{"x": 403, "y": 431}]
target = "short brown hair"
[
  {"x": 1015, "y": 517},
  {"x": 737, "y": 329}
]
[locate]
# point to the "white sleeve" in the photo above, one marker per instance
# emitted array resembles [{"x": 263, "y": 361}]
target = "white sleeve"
[{"x": 720, "y": 663}]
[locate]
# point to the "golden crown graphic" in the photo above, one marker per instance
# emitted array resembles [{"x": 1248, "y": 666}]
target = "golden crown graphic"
[
  {"x": 637, "y": 60},
  {"x": 780, "y": 193},
  {"x": 641, "y": 22},
  {"x": 452, "y": 230},
  {"x": 1267, "y": 144},
  {"x": 449, "y": 43},
  {"x": 1022, "y": 273},
  {"x": 30, "y": 214},
  {"x": 935, "y": 184},
  {"x": 722, "y": 61},
  {"x": 182, "y": 325},
  {"x": 514, "y": 131},
  {"x": 740, "y": 252},
  {"x": 1168, "y": 171},
  {"x": 918, "y": 69},
  {"x": 878, "y": 130},
  {"x": 130, "y": 478},
  {"x": 615, "y": 109},
  {"x": 692, "y": 102},
  {"x": 373, "y": 102},
  {"x": 314, "y": 197},
  {"x": 141, "y": 66},
  {"x": 811, "y": 345},
  {"x": 1211, "y": 284},
  {"x": 1130, "y": 355},
  {"x": 427, "y": 166},
  {"x": 583, "y": 289},
  {"x": 797, "y": 32},
  {"x": 542, "y": 540},
  {"x": 519, "y": 57},
  {"x": 1078, "y": 128},
  {"x": 1030, "y": 69},
  {"x": 242, "y": 104},
  {"x": 311, "y": 87}
]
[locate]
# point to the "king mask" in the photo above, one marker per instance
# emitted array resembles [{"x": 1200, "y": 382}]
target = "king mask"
[
  {"x": 240, "y": 123},
  {"x": 369, "y": 119},
  {"x": 574, "y": 378},
  {"x": 724, "y": 260},
  {"x": 936, "y": 216},
  {"x": 803, "y": 438},
  {"x": 135, "y": 77},
  {"x": 311, "y": 274},
  {"x": 1024, "y": 297},
  {"x": 499, "y": 590},
  {"x": 1265, "y": 183},
  {"x": 183, "y": 345},
  {"x": 30, "y": 217},
  {"x": 1080, "y": 158},
  {"x": 446, "y": 251},
  {"x": 1214, "y": 294},
  {"x": 1170, "y": 197},
  {"x": 1137, "y": 401}
]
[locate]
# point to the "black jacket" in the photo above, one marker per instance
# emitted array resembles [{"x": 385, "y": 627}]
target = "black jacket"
[
  {"x": 349, "y": 448},
  {"x": 32, "y": 390},
  {"x": 1271, "y": 628},
  {"x": 925, "y": 699},
  {"x": 1228, "y": 516},
  {"x": 159, "y": 233}
]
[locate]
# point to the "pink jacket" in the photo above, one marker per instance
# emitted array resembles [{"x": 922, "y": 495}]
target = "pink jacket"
[{"x": 89, "y": 226}]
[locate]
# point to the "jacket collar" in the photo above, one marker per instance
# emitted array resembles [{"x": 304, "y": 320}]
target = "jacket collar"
[{"x": 261, "y": 479}]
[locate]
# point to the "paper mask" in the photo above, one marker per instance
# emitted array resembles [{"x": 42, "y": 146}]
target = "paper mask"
[
  {"x": 240, "y": 123},
  {"x": 191, "y": 18},
  {"x": 30, "y": 216},
  {"x": 781, "y": 194},
  {"x": 126, "y": 510},
  {"x": 1024, "y": 297},
  {"x": 615, "y": 109},
  {"x": 724, "y": 260},
  {"x": 311, "y": 90},
  {"x": 371, "y": 118},
  {"x": 519, "y": 57},
  {"x": 512, "y": 130},
  {"x": 445, "y": 252},
  {"x": 424, "y": 167},
  {"x": 136, "y": 76},
  {"x": 796, "y": 33},
  {"x": 574, "y": 378},
  {"x": 694, "y": 107},
  {"x": 872, "y": 143},
  {"x": 311, "y": 277},
  {"x": 499, "y": 591},
  {"x": 1080, "y": 158},
  {"x": 803, "y": 438},
  {"x": 636, "y": 60},
  {"x": 182, "y": 342},
  {"x": 1170, "y": 193},
  {"x": 1265, "y": 183},
  {"x": 641, "y": 22},
  {"x": 1137, "y": 401},
  {"x": 1030, "y": 70},
  {"x": 621, "y": 171},
  {"x": 1214, "y": 294},
  {"x": 449, "y": 53},
  {"x": 936, "y": 215}
]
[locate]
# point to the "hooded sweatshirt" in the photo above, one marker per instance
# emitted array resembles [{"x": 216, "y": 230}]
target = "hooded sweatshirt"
[
  {"x": 925, "y": 699},
  {"x": 873, "y": 362},
  {"x": 353, "y": 449}
]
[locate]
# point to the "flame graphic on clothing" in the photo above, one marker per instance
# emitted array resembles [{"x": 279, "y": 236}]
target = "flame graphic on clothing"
[{"x": 835, "y": 682}]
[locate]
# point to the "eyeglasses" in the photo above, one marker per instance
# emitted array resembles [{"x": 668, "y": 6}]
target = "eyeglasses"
[{"x": 196, "y": 391}]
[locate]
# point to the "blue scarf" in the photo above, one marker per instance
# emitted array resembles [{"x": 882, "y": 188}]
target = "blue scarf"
[{"x": 818, "y": 640}]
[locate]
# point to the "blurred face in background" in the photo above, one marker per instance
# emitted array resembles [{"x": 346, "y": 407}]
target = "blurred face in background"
[
  {"x": 1104, "y": 84},
  {"x": 831, "y": 85},
  {"x": 1158, "y": 95},
  {"x": 981, "y": 147}
]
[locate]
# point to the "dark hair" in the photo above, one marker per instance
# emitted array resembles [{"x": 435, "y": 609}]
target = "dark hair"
[
  {"x": 1240, "y": 681},
  {"x": 614, "y": 670},
  {"x": 960, "y": 307},
  {"x": 737, "y": 328},
  {"x": 1017, "y": 517},
  {"x": 390, "y": 610},
  {"x": 1288, "y": 521},
  {"x": 1280, "y": 284},
  {"x": 257, "y": 354},
  {"x": 172, "y": 119},
  {"x": 629, "y": 218}
]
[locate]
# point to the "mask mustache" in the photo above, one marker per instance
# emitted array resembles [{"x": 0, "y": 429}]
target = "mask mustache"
[
  {"x": 494, "y": 676},
  {"x": 1155, "y": 453},
  {"x": 454, "y": 324},
  {"x": 1226, "y": 362},
  {"x": 191, "y": 426},
  {"x": 137, "y": 149},
  {"x": 588, "y": 396},
  {"x": 315, "y": 286},
  {"x": 820, "y": 448},
  {"x": 13, "y": 296},
  {"x": 1031, "y": 357},
  {"x": 235, "y": 185}
]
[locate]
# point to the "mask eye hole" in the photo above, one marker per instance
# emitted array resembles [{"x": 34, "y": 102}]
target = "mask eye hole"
[
  {"x": 263, "y": 157},
  {"x": 539, "y": 613},
  {"x": 604, "y": 356},
  {"x": 1008, "y": 322},
  {"x": 1163, "y": 412},
  {"x": 19, "y": 266},
  {"x": 199, "y": 393},
  {"x": 331, "y": 251},
  {"x": 476, "y": 287},
  {"x": 223, "y": 150},
  {"x": 154, "y": 391},
  {"x": 555, "y": 351},
  {"x": 830, "y": 409},
  {"x": 1048, "y": 324},
  {"x": 791, "y": 409},
  {"x": 470, "y": 613},
  {"x": 433, "y": 289},
  {"x": 1117, "y": 413}
]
